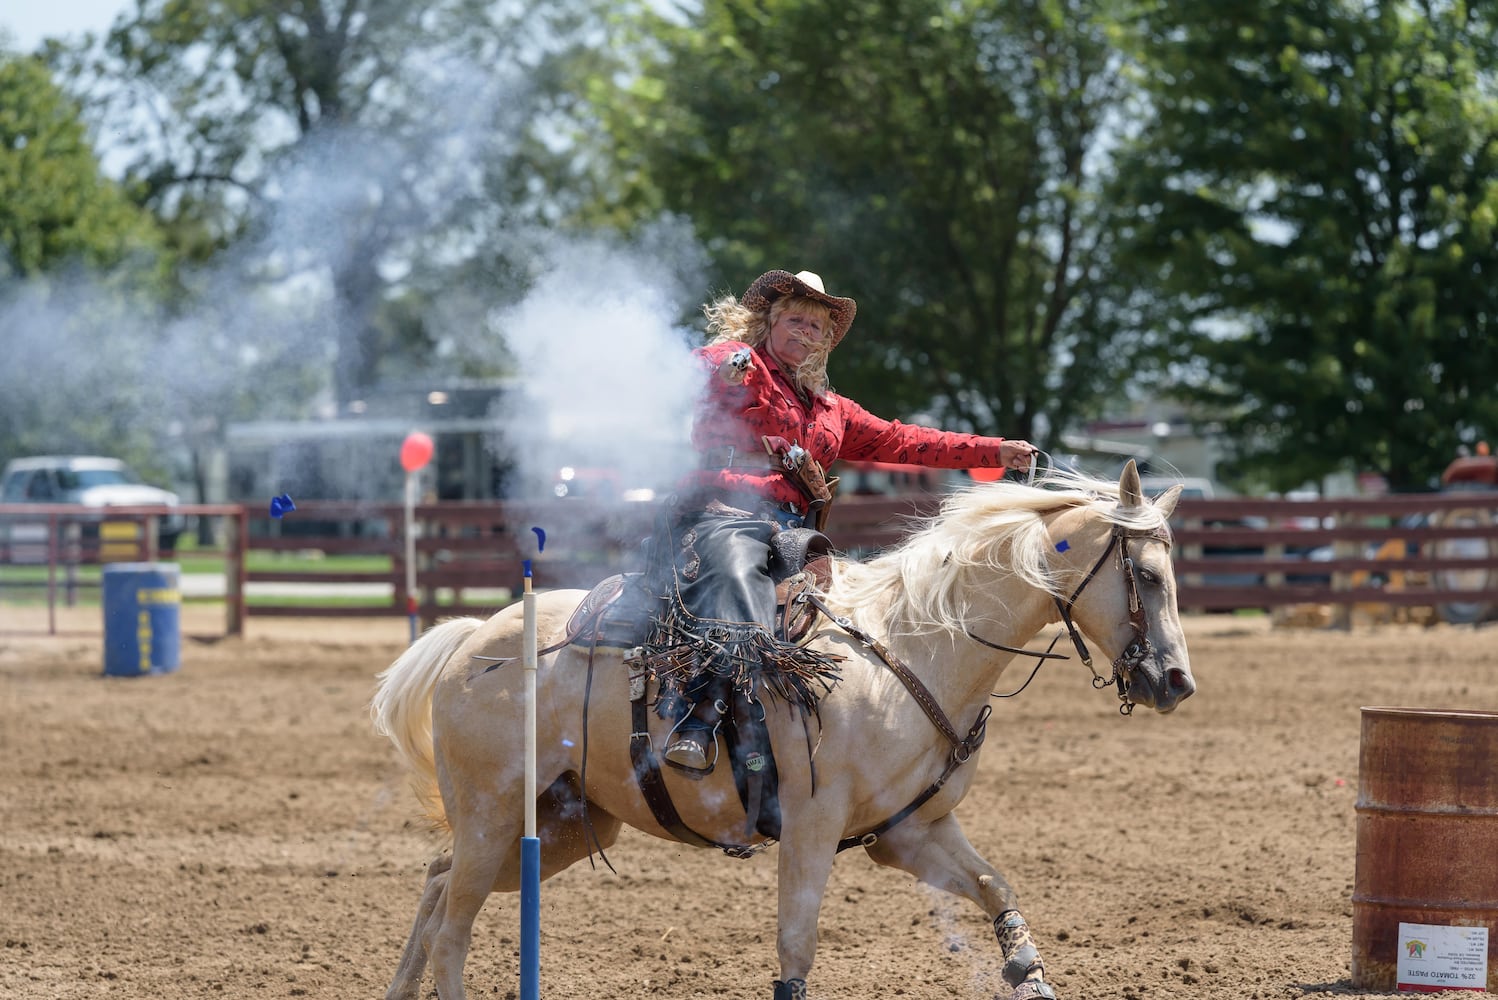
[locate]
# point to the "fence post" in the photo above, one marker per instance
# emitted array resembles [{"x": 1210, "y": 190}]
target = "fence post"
[
  {"x": 150, "y": 537},
  {"x": 1342, "y": 611},
  {"x": 238, "y": 541},
  {"x": 1192, "y": 552},
  {"x": 1275, "y": 551},
  {"x": 53, "y": 527}
]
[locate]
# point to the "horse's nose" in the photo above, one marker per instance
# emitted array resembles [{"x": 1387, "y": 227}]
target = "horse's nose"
[{"x": 1179, "y": 684}]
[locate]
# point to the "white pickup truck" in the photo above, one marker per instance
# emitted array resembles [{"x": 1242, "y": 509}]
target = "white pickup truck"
[{"x": 89, "y": 480}]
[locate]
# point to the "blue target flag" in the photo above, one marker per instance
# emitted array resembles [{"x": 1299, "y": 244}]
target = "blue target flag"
[
  {"x": 281, "y": 506},
  {"x": 540, "y": 539}
]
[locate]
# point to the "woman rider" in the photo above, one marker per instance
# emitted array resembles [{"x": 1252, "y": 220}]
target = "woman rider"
[{"x": 766, "y": 428}]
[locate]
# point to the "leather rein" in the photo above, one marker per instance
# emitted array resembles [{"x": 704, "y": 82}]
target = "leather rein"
[{"x": 964, "y": 747}]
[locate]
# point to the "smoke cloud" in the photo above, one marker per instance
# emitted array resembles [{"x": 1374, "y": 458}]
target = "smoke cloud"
[
  {"x": 607, "y": 380},
  {"x": 592, "y": 330}
]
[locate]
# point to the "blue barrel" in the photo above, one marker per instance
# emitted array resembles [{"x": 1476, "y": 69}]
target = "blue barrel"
[{"x": 142, "y": 619}]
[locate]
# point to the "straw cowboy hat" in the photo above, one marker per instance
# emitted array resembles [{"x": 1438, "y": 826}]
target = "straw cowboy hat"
[{"x": 774, "y": 284}]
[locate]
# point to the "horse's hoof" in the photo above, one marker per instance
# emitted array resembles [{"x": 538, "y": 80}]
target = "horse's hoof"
[{"x": 1033, "y": 989}]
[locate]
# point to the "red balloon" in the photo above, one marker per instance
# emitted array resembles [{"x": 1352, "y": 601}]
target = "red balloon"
[
  {"x": 986, "y": 475},
  {"x": 416, "y": 451}
]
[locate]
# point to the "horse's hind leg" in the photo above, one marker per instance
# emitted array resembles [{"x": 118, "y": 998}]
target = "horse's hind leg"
[
  {"x": 569, "y": 826},
  {"x": 489, "y": 861},
  {"x": 413, "y": 962},
  {"x": 481, "y": 853},
  {"x": 939, "y": 854}
]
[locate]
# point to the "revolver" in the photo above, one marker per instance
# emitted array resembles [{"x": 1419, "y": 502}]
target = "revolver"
[{"x": 736, "y": 366}]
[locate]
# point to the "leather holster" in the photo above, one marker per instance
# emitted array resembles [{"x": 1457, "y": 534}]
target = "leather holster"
[{"x": 810, "y": 478}]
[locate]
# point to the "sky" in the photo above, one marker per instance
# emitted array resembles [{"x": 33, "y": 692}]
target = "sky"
[{"x": 29, "y": 21}]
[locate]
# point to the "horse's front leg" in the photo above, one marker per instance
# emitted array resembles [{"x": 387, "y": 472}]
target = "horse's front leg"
[
  {"x": 939, "y": 854},
  {"x": 804, "y": 865}
]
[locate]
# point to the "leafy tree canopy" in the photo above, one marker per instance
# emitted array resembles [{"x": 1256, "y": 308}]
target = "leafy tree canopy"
[
  {"x": 56, "y": 206},
  {"x": 1316, "y": 188},
  {"x": 939, "y": 161},
  {"x": 359, "y": 147},
  {"x": 64, "y": 371}
]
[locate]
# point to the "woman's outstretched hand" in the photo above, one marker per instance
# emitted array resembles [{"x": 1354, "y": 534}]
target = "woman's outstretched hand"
[{"x": 1016, "y": 454}]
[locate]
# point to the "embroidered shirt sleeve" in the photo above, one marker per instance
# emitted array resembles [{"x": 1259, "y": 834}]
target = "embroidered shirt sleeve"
[{"x": 867, "y": 437}]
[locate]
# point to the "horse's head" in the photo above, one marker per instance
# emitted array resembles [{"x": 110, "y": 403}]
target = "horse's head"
[
  {"x": 1006, "y": 556},
  {"x": 1118, "y": 586}
]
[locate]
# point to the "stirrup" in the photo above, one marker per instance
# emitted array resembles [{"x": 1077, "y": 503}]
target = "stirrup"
[{"x": 691, "y": 744}]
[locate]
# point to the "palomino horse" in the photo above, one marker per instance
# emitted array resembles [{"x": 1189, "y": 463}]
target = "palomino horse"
[{"x": 925, "y": 630}]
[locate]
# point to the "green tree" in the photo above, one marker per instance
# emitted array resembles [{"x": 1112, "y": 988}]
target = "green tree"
[
  {"x": 940, "y": 161},
  {"x": 56, "y": 205},
  {"x": 336, "y": 177},
  {"x": 63, "y": 225},
  {"x": 1316, "y": 188},
  {"x": 363, "y": 146}
]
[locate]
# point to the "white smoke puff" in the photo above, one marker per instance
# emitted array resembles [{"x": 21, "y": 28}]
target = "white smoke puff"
[{"x": 606, "y": 373}]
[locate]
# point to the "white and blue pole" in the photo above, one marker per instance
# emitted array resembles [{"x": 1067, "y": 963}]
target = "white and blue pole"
[{"x": 530, "y": 844}]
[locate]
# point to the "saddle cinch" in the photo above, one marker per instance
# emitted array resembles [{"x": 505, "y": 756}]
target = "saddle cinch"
[{"x": 620, "y": 613}]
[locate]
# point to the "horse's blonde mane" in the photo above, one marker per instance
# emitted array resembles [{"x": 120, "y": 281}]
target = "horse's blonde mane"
[{"x": 995, "y": 527}]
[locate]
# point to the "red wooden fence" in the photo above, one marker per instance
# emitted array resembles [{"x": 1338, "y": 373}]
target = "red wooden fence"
[
  {"x": 1437, "y": 550},
  {"x": 1433, "y": 550}
]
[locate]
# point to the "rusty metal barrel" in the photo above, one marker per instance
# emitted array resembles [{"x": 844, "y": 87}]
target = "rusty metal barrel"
[{"x": 1427, "y": 833}]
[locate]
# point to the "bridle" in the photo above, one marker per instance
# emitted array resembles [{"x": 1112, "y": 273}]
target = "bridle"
[
  {"x": 1127, "y": 662},
  {"x": 1130, "y": 660}
]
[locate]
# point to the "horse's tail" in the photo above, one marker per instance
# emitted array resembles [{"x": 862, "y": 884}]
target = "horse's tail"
[{"x": 402, "y": 706}]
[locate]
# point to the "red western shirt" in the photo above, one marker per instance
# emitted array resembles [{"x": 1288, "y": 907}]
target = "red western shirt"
[{"x": 829, "y": 427}]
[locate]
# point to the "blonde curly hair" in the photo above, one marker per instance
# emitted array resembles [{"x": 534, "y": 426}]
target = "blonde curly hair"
[{"x": 729, "y": 320}]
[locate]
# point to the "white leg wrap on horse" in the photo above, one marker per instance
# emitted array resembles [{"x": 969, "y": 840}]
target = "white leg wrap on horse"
[{"x": 1021, "y": 958}]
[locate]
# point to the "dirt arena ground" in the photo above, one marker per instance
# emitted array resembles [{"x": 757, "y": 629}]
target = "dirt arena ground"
[{"x": 236, "y": 830}]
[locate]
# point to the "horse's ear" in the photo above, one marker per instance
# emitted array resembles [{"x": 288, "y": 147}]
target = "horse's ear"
[
  {"x": 1167, "y": 501},
  {"x": 1130, "y": 492}
]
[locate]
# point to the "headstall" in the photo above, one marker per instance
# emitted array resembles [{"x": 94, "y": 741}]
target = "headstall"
[{"x": 1127, "y": 662}]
